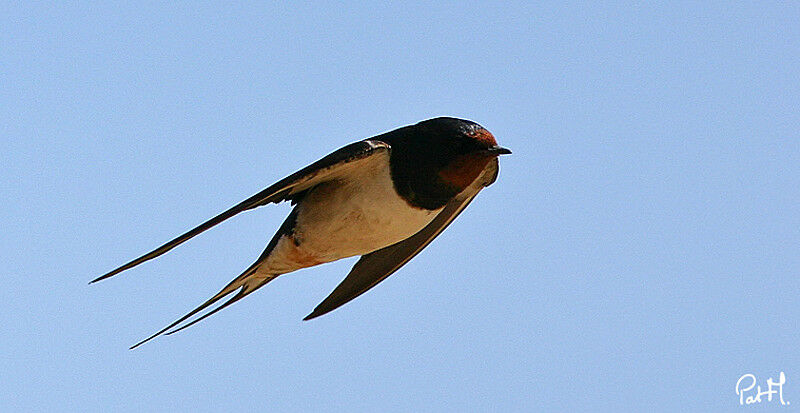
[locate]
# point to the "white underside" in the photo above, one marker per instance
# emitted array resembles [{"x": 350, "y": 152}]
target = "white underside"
[{"x": 343, "y": 218}]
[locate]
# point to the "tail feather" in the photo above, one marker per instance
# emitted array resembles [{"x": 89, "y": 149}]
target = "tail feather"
[
  {"x": 243, "y": 292},
  {"x": 246, "y": 283}
]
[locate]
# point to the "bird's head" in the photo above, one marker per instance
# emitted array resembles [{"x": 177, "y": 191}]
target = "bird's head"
[
  {"x": 462, "y": 147},
  {"x": 460, "y": 137},
  {"x": 436, "y": 159}
]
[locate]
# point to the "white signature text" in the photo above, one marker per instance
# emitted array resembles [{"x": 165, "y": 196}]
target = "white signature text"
[{"x": 746, "y": 383}]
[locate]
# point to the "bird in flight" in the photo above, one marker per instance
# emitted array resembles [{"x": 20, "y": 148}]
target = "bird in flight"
[{"x": 384, "y": 198}]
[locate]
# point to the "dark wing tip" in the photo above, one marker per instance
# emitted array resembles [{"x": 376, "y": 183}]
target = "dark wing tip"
[
  {"x": 316, "y": 313},
  {"x": 104, "y": 276}
]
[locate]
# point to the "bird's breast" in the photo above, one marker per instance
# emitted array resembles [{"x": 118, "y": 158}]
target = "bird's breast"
[{"x": 351, "y": 216}]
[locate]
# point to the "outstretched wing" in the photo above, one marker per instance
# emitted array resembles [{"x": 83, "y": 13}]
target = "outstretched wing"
[
  {"x": 376, "y": 266},
  {"x": 333, "y": 166}
]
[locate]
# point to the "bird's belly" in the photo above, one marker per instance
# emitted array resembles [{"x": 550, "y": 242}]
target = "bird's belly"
[
  {"x": 346, "y": 220},
  {"x": 342, "y": 219}
]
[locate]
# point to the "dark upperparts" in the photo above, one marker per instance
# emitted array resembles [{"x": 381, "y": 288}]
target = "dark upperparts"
[{"x": 434, "y": 160}]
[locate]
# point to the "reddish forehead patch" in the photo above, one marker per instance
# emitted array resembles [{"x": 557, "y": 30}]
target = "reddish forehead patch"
[{"x": 484, "y": 136}]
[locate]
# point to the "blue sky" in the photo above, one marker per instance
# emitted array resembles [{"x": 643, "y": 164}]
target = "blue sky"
[{"x": 639, "y": 251}]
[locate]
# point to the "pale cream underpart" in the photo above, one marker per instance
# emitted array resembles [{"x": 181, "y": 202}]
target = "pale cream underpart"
[{"x": 343, "y": 218}]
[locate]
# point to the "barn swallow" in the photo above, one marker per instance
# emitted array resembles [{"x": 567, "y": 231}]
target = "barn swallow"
[{"x": 384, "y": 198}]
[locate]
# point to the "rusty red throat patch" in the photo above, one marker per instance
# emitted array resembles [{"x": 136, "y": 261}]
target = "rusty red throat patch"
[{"x": 463, "y": 170}]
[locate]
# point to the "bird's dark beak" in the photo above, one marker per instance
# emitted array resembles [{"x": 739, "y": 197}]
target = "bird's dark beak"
[{"x": 497, "y": 150}]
